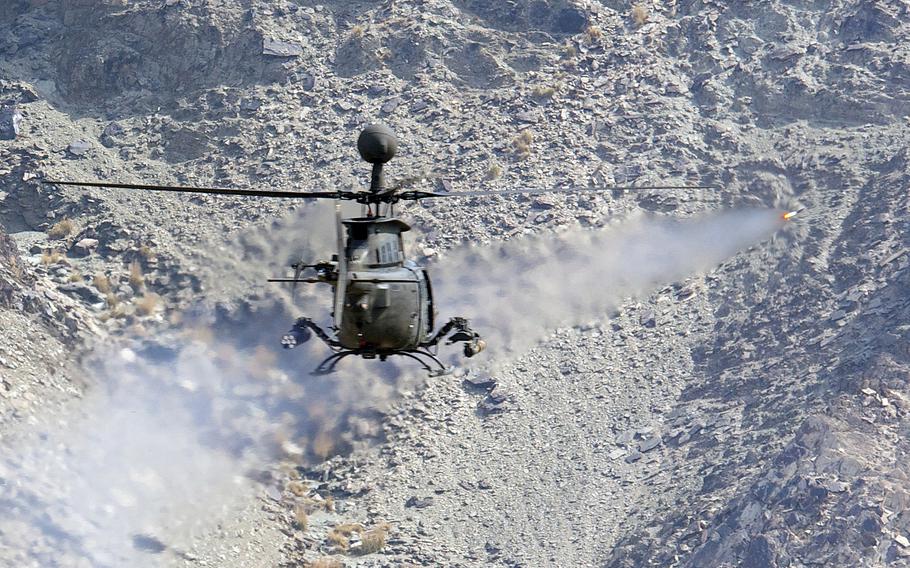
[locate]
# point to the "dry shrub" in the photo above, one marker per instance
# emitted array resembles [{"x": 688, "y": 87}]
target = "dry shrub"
[
  {"x": 302, "y": 518},
  {"x": 328, "y": 504},
  {"x": 325, "y": 562},
  {"x": 340, "y": 536},
  {"x": 76, "y": 277},
  {"x": 522, "y": 143},
  {"x": 594, "y": 33},
  {"x": 61, "y": 229},
  {"x": 112, "y": 300},
  {"x": 146, "y": 252},
  {"x": 137, "y": 279},
  {"x": 494, "y": 171},
  {"x": 297, "y": 488},
  {"x": 51, "y": 257},
  {"x": 357, "y": 31},
  {"x": 147, "y": 304},
  {"x": 118, "y": 310},
  {"x": 102, "y": 283},
  {"x": 374, "y": 539},
  {"x": 639, "y": 14}
]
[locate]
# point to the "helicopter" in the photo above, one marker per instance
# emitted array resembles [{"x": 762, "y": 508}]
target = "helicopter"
[{"x": 383, "y": 302}]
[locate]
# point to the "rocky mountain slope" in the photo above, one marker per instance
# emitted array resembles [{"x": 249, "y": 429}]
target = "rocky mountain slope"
[{"x": 749, "y": 413}]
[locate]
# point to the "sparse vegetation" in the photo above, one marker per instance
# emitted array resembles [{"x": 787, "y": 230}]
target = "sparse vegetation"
[
  {"x": 340, "y": 536},
  {"x": 118, "y": 310},
  {"x": 358, "y": 30},
  {"x": 494, "y": 171},
  {"x": 326, "y": 562},
  {"x": 328, "y": 504},
  {"x": 51, "y": 257},
  {"x": 297, "y": 488},
  {"x": 301, "y": 517},
  {"x": 137, "y": 278},
  {"x": 522, "y": 143},
  {"x": 147, "y": 304},
  {"x": 146, "y": 252},
  {"x": 102, "y": 283},
  {"x": 569, "y": 51},
  {"x": 112, "y": 300},
  {"x": 374, "y": 539},
  {"x": 61, "y": 229},
  {"x": 76, "y": 277},
  {"x": 594, "y": 33},
  {"x": 639, "y": 14}
]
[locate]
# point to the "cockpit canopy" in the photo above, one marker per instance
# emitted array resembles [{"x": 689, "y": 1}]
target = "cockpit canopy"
[{"x": 375, "y": 243}]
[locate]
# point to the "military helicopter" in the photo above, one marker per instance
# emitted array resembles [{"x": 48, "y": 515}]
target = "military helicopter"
[{"x": 383, "y": 302}]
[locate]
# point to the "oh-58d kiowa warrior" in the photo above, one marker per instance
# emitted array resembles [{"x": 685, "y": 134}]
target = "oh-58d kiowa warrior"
[{"x": 383, "y": 302}]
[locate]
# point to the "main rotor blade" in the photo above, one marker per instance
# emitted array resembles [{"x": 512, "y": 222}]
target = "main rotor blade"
[
  {"x": 414, "y": 195},
  {"x": 214, "y": 190}
]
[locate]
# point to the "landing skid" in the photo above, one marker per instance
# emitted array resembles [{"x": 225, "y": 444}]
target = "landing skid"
[
  {"x": 422, "y": 356},
  {"x": 424, "y": 353}
]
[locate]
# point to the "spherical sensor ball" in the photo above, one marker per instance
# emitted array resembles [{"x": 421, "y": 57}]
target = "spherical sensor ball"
[{"x": 377, "y": 144}]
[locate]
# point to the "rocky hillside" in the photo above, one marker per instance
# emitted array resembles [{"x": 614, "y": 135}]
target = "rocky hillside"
[{"x": 747, "y": 413}]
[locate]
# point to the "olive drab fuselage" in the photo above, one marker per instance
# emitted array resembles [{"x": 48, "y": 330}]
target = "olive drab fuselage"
[{"x": 388, "y": 302}]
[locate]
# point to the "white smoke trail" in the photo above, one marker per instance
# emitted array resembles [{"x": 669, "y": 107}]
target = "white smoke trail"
[{"x": 518, "y": 291}]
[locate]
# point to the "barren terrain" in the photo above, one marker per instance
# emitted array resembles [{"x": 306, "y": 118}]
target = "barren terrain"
[{"x": 675, "y": 377}]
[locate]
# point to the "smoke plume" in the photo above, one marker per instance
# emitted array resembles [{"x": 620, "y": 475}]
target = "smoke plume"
[{"x": 518, "y": 291}]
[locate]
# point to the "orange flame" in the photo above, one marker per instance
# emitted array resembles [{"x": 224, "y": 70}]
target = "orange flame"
[{"x": 790, "y": 215}]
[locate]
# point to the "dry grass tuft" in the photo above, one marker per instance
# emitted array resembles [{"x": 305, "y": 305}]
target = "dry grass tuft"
[
  {"x": 639, "y": 14},
  {"x": 522, "y": 143},
  {"x": 302, "y": 518},
  {"x": 326, "y": 562},
  {"x": 374, "y": 540},
  {"x": 102, "y": 283},
  {"x": 297, "y": 488},
  {"x": 147, "y": 304},
  {"x": 118, "y": 310},
  {"x": 594, "y": 33},
  {"x": 112, "y": 300},
  {"x": 358, "y": 30},
  {"x": 494, "y": 171},
  {"x": 51, "y": 257},
  {"x": 76, "y": 277},
  {"x": 146, "y": 252},
  {"x": 340, "y": 536},
  {"x": 61, "y": 229},
  {"x": 328, "y": 504},
  {"x": 137, "y": 279}
]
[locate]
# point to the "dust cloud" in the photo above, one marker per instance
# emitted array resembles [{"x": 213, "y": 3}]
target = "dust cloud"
[
  {"x": 169, "y": 440},
  {"x": 173, "y": 430},
  {"x": 517, "y": 292}
]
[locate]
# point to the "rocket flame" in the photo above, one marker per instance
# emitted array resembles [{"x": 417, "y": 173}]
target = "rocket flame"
[{"x": 789, "y": 215}]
